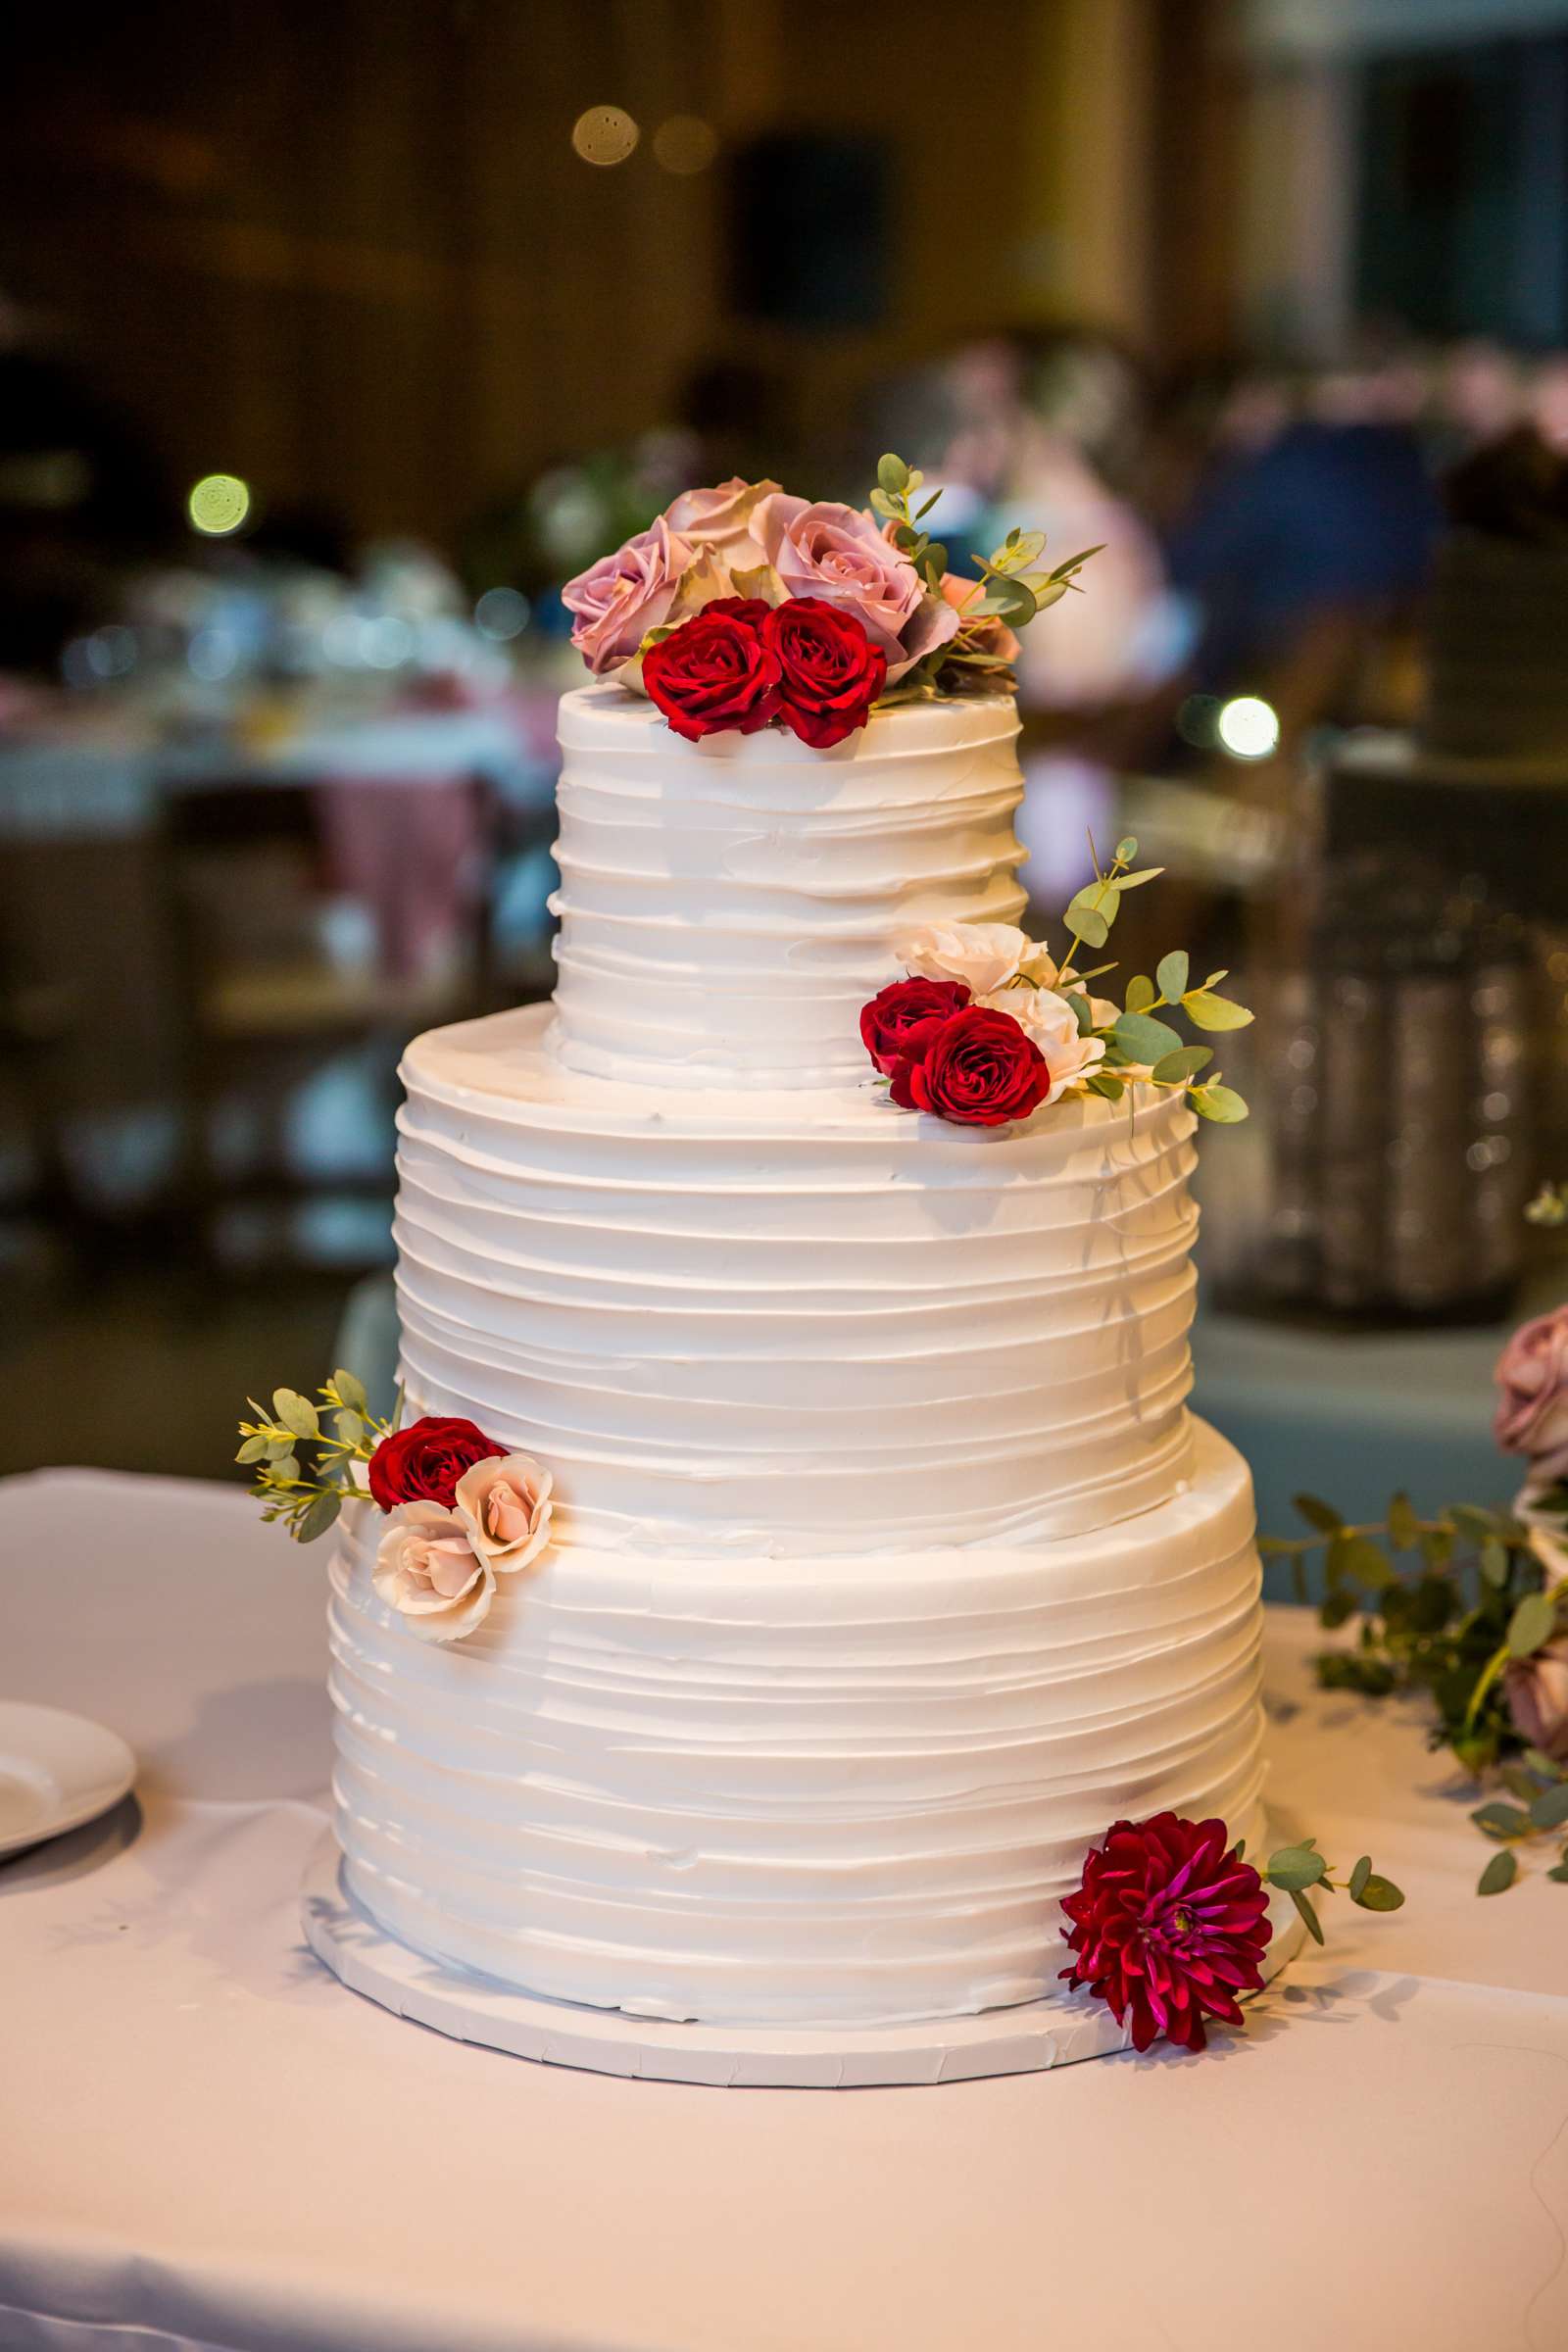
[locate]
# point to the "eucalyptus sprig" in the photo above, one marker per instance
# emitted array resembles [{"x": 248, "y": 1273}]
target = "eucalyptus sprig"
[
  {"x": 307, "y": 1494},
  {"x": 1297, "y": 1869},
  {"x": 1448, "y": 1603},
  {"x": 1134, "y": 1041},
  {"x": 1010, "y": 589}
]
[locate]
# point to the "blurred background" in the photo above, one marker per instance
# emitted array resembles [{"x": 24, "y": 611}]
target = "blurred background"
[{"x": 334, "y": 338}]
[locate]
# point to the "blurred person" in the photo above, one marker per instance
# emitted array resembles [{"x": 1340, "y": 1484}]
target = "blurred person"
[
  {"x": 1083, "y": 415},
  {"x": 1546, "y": 401},
  {"x": 1478, "y": 397},
  {"x": 1330, "y": 521}
]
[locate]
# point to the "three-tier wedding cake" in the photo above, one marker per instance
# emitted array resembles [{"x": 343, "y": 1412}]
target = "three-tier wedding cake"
[{"x": 865, "y": 1564}]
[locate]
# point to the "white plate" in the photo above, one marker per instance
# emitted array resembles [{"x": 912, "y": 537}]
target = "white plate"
[{"x": 56, "y": 1771}]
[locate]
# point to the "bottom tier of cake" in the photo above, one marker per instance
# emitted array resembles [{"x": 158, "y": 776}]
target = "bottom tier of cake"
[{"x": 791, "y": 1791}]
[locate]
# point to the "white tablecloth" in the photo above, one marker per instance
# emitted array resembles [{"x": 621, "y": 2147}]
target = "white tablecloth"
[{"x": 205, "y": 2140}]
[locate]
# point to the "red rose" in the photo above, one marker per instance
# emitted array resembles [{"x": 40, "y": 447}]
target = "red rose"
[
  {"x": 423, "y": 1462},
  {"x": 900, "y": 1023},
  {"x": 1168, "y": 1925},
  {"x": 716, "y": 671},
  {"x": 979, "y": 1070},
  {"x": 830, "y": 674}
]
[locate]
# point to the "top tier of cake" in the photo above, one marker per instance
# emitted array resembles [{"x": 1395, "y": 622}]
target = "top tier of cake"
[{"x": 727, "y": 907}]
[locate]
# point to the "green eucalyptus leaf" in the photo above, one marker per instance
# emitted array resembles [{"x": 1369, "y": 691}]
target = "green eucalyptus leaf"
[
  {"x": 1144, "y": 1039},
  {"x": 284, "y": 1469},
  {"x": 1171, "y": 973},
  {"x": 1082, "y": 1013},
  {"x": 1308, "y": 1914},
  {"x": 1494, "y": 1562},
  {"x": 1092, "y": 929},
  {"x": 1294, "y": 1866},
  {"x": 1547, "y": 1766},
  {"x": 926, "y": 504},
  {"x": 1139, "y": 993},
  {"x": 1499, "y": 1873},
  {"x": 317, "y": 1515},
  {"x": 1560, "y": 1872},
  {"x": 295, "y": 1412},
  {"x": 1404, "y": 1530},
  {"x": 1550, "y": 1810},
  {"x": 1321, "y": 1515},
  {"x": 1215, "y": 1012},
  {"x": 1106, "y": 1083},
  {"x": 1380, "y": 1894},
  {"x": 1359, "y": 1876},
  {"x": 1472, "y": 1522},
  {"x": 1147, "y": 873},
  {"x": 1221, "y": 1103},
  {"x": 349, "y": 1428},
  {"x": 1531, "y": 1625},
  {"x": 1360, "y": 1561},
  {"x": 254, "y": 1449},
  {"x": 1127, "y": 849},
  {"x": 1176, "y": 1068},
  {"x": 1497, "y": 1820},
  {"x": 892, "y": 473},
  {"x": 351, "y": 1388},
  {"x": 279, "y": 1449},
  {"x": 1437, "y": 1546}
]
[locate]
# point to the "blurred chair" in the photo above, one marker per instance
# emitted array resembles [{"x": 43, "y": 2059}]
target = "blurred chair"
[{"x": 272, "y": 984}]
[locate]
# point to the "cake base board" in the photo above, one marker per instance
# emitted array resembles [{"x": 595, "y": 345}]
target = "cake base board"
[{"x": 473, "y": 2008}]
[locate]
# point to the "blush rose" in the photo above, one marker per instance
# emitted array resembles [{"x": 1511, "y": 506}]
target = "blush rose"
[
  {"x": 1048, "y": 1019},
  {"x": 616, "y": 600},
  {"x": 429, "y": 1571},
  {"x": 721, "y": 519},
  {"x": 839, "y": 554},
  {"x": 506, "y": 1507},
  {"x": 1532, "y": 1375}
]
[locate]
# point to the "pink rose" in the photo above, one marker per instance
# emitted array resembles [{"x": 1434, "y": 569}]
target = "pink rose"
[
  {"x": 721, "y": 519},
  {"x": 429, "y": 1571},
  {"x": 1531, "y": 1415},
  {"x": 1537, "y": 1692},
  {"x": 838, "y": 554},
  {"x": 506, "y": 1507},
  {"x": 986, "y": 632},
  {"x": 621, "y": 597}
]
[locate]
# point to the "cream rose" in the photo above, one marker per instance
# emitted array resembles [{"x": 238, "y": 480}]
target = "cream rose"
[
  {"x": 504, "y": 1506},
  {"x": 985, "y": 956},
  {"x": 1048, "y": 1020},
  {"x": 427, "y": 1569}
]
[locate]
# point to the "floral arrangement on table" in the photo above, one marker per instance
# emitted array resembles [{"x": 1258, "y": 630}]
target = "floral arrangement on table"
[
  {"x": 1470, "y": 1607},
  {"x": 1169, "y": 1922},
  {"x": 460, "y": 1510},
  {"x": 742, "y": 608},
  {"x": 987, "y": 1027}
]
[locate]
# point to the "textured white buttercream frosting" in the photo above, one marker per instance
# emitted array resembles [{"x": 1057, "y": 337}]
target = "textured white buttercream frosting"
[
  {"x": 796, "y": 1322},
  {"x": 727, "y": 907},
  {"x": 779, "y": 1792}
]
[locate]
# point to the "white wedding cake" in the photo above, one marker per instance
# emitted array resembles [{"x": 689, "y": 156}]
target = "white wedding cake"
[{"x": 887, "y": 1567}]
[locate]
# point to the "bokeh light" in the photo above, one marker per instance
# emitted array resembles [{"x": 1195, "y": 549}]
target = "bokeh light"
[
  {"x": 501, "y": 613},
  {"x": 217, "y": 503},
  {"x": 685, "y": 144},
  {"x": 605, "y": 134},
  {"x": 1248, "y": 727}
]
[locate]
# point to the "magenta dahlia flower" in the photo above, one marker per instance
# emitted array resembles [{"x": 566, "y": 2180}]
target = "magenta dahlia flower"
[{"x": 1168, "y": 1926}]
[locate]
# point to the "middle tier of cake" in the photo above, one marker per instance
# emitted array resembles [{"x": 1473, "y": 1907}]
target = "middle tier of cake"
[{"x": 784, "y": 1325}]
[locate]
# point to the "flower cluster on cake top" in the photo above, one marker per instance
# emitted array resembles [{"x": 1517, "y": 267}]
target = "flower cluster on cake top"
[
  {"x": 987, "y": 1027},
  {"x": 742, "y": 607}
]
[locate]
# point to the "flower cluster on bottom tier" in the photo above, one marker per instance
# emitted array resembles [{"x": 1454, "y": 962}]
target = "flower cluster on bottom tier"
[{"x": 781, "y": 1791}]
